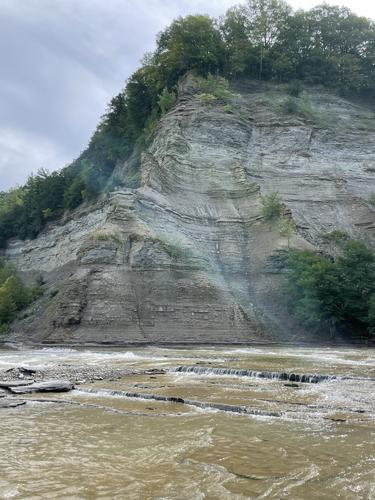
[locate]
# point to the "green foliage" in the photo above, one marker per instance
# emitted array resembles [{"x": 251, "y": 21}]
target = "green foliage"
[
  {"x": 302, "y": 108},
  {"x": 328, "y": 45},
  {"x": 167, "y": 100},
  {"x": 214, "y": 86},
  {"x": 228, "y": 108},
  {"x": 286, "y": 229},
  {"x": 14, "y": 296},
  {"x": 176, "y": 249},
  {"x": 271, "y": 206},
  {"x": 371, "y": 200},
  {"x": 371, "y": 313},
  {"x": 190, "y": 43},
  {"x": 206, "y": 98},
  {"x": 333, "y": 294},
  {"x": 100, "y": 235},
  {"x": 290, "y": 106},
  {"x": 335, "y": 236},
  {"x": 295, "y": 88}
]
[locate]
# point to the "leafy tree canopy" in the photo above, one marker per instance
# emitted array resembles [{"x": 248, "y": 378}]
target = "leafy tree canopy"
[{"x": 334, "y": 294}]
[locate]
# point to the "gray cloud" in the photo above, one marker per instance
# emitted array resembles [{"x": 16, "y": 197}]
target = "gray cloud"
[{"x": 61, "y": 61}]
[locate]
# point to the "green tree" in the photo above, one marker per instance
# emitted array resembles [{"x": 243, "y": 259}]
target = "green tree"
[
  {"x": 286, "y": 229},
  {"x": 271, "y": 206},
  {"x": 14, "y": 296},
  {"x": 266, "y": 19},
  {"x": 190, "y": 43},
  {"x": 167, "y": 100},
  {"x": 356, "y": 269},
  {"x": 371, "y": 314},
  {"x": 241, "y": 57},
  {"x": 331, "y": 294}
]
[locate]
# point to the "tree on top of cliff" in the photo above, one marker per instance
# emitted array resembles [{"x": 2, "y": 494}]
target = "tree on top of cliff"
[{"x": 190, "y": 43}]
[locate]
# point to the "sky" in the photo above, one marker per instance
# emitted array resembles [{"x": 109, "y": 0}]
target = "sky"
[{"x": 61, "y": 61}]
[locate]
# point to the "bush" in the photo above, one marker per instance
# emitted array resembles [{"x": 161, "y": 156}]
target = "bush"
[
  {"x": 272, "y": 206},
  {"x": 290, "y": 106},
  {"x": 215, "y": 86},
  {"x": 167, "y": 100},
  {"x": 336, "y": 293},
  {"x": 335, "y": 236},
  {"x": 14, "y": 296},
  {"x": 371, "y": 313},
  {"x": 371, "y": 200},
  {"x": 286, "y": 229},
  {"x": 295, "y": 88},
  {"x": 102, "y": 235},
  {"x": 206, "y": 98}
]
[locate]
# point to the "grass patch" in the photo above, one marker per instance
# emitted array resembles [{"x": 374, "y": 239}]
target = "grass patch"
[{"x": 101, "y": 235}]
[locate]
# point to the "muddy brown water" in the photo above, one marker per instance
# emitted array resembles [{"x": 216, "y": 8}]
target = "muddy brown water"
[{"x": 95, "y": 442}]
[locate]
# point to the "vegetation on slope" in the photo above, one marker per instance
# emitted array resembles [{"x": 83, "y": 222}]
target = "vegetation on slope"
[
  {"x": 336, "y": 295},
  {"x": 14, "y": 295}
]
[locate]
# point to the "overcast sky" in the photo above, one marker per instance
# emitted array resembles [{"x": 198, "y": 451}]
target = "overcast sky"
[{"x": 62, "y": 60}]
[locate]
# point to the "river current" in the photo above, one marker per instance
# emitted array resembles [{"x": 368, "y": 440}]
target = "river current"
[{"x": 247, "y": 429}]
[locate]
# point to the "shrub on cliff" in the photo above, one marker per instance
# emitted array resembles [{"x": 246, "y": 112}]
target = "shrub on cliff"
[
  {"x": 271, "y": 206},
  {"x": 215, "y": 86},
  {"x": 167, "y": 100}
]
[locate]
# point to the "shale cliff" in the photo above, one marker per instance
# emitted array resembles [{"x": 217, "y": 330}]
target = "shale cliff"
[{"x": 187, "y": 257}]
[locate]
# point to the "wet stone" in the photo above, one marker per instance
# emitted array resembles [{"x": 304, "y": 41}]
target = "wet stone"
[
  {"x": 8, "y": 384},
  {"x": 10, "y": 403},
  {"x": 48, "y": 386}
]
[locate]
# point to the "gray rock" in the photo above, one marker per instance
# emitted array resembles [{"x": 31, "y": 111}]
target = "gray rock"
[
  {"x": 10, "y": 403},
  {"x": 47, "y": 386},
  {"x": 7, "y": 384}
]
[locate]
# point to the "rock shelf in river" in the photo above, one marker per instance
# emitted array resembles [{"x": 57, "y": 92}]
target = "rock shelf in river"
[
  {"x": 175, "y": 399},
  {"x": 48, "y": 386},
  {"x": 293, "y": 377},
  {"x": 11, "y": 403}
]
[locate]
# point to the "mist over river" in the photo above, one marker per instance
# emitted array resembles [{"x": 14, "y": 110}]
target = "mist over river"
[{"x": 194, "y": 423}]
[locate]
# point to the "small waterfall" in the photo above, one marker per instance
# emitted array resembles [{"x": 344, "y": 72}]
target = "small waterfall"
[
  {"x": 175, "y": 399},
  {"x": 234, "y": 372}
]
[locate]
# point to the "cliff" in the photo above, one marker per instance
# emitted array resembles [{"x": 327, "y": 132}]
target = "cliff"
[{"x": 187, "y": 257}]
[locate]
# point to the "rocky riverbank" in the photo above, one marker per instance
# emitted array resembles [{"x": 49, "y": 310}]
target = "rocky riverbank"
[{"x": 77, "y": 374}]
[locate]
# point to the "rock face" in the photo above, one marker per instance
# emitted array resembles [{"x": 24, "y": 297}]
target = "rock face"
[{"x": 187, "y": 257}]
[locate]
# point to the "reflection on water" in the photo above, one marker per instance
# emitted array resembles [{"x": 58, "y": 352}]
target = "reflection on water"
[{"x": 96, "y": 443}]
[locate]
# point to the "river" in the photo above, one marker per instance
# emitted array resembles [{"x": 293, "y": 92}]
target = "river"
[{"x": 247, "y": 430}]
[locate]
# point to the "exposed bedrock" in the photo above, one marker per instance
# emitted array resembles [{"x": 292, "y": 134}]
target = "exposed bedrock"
[{"x": 187, "y": 257}]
